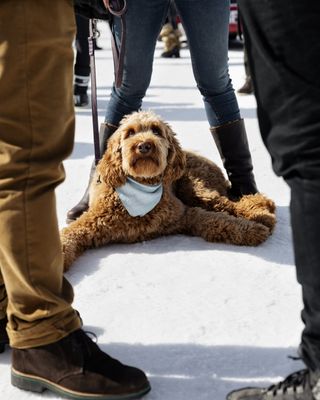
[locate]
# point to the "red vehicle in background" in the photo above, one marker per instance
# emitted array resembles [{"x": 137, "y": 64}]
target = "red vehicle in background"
[{"x": 233, "y": 20}]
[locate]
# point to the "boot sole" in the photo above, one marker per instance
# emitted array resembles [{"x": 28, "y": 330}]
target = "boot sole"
[{"x": 36, "y": 384}]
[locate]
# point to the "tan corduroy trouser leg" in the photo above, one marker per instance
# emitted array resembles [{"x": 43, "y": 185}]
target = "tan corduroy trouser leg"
[{"x": 36, "y": 134}]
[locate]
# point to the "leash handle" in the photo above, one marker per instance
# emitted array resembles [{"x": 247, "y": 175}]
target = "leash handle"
[
  {"x": 116, "y": 7},
  {"x": 92, "y": 41}
]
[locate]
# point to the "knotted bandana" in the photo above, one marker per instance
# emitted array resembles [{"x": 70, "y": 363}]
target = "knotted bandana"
[{"x": 139, "y": 199}]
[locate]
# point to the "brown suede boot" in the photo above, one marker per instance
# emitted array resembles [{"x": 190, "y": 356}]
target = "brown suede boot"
[
  {"x": 247, "y": 87},
  {"x": 232, "y": 143},
  {"x": 76, "y": 368},
  {"x": 106, "y": 130},
  {"x": 171, "y": 40},
  {"x": 4, "y": 339}
]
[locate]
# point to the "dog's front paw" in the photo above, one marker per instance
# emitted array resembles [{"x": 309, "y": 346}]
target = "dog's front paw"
[
  {"x": 265, "y": 218},
  {"x": 253, "y": 233},
  {"x": 238, "y": 231},
  {"x": 258, "y": 208}
]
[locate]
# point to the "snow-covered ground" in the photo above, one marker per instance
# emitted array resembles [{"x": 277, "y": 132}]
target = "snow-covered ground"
[{"x": 200, "y": 318}]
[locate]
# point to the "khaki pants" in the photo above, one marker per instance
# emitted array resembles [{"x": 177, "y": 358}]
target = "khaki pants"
[{"x": 36, "y": 134}]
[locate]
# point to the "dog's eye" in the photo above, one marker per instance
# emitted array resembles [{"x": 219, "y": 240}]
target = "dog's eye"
[
  {"x": 156, "y": 130},
  {"x": 130, "y": 132}
]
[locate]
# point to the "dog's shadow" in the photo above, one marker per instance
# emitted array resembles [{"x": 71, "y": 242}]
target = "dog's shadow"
[{"x": 276, "y": 250}]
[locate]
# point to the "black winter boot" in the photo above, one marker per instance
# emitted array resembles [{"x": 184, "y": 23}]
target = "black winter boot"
[
  {"x": 4, "y": 339},
  {"x": 76, "y": 368},
  {"x": 232, "y": 143},
  {"x": 106, "y": 130},
  {"x": 301, "y": 385},
  {"x": 80, "y": 87},
  {"x": 81, "y": 100},
  {"x": 83, "y": 204}
]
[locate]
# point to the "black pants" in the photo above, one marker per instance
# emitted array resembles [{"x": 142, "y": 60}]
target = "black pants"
[
  {"x": 172, "y": 15},
  {"x": 282, "y": 39},
  {"x": 82, "y": 63}
]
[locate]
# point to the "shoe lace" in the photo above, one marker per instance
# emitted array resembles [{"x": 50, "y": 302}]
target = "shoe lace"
[
  {"x": 83, "y": 343},
  {"x": 293, "y": 381}
]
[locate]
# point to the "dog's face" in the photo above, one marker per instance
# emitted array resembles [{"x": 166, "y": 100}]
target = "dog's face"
[{"x": 143, "y": 147}]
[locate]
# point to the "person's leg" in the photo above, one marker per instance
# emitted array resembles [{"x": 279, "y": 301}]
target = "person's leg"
[
  {"x": 143, "y": 23},
  {"x": 305, "y": 221},
  {"x": 206, "y": 25},
  {"x": 170, "y": 34},
  {"x": 33, "y": 82},
  {"x": 287, "y": 88},
  {"x": 82, "y": 63},
  {"x": 247, "y": 87},
  {"x": 50, "y": 351}
]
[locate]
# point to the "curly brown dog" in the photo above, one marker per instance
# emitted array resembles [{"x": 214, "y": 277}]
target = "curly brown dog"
[{"x": 191, "y": 190}]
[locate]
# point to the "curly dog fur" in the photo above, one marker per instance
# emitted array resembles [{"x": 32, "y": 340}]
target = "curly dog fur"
[{"x": 194, "y": 200}]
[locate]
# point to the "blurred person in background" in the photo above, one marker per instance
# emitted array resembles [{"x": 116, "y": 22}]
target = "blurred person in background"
[
  {"x": 82, "y": 63},
  {"x": 170, "y": 34}
]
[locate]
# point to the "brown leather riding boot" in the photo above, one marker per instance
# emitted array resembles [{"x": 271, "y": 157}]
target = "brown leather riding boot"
[
  {"x": 75, "y": 367},
  {"x": 4, "y": 339},
  {"x": 106, "y": 130},
  {"x": 232, "y": 143}
]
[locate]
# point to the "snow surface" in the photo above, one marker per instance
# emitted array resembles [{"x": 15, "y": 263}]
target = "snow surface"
[{"x": 200, "y": 318}]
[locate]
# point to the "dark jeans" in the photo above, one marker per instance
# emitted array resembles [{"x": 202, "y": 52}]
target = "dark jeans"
[
  {"x": 282, "y": 39},
  {"x": 206, "y": 25}
]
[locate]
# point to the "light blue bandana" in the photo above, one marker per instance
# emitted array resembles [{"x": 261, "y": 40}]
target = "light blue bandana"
[{"x": 139, "y": 199}]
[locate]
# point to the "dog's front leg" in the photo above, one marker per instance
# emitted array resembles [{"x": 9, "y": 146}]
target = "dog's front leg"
[
  {"x": 84, "y": 233},
  {"x": 258, "y": 208},
  {"x": 254, "y": 207},
  {"x": 222, "y": 227}
]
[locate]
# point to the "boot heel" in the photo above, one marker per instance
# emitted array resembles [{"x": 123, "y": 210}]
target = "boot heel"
[
  {"x": 26, "y": 383},
  {"x": 2, "y": 346}
]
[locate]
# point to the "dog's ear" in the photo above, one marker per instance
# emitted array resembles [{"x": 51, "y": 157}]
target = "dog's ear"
[
  {"x": 110, "y": 166},
  {"x": 176, "y": 160}
]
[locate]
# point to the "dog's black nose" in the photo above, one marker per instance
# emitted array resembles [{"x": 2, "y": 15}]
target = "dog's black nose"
[{"x": 145, "y": 147}]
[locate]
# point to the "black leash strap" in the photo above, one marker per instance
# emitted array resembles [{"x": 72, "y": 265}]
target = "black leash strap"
[
  {"x": 116, "y": 8},
  {"x": 92, "y": 41}
]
